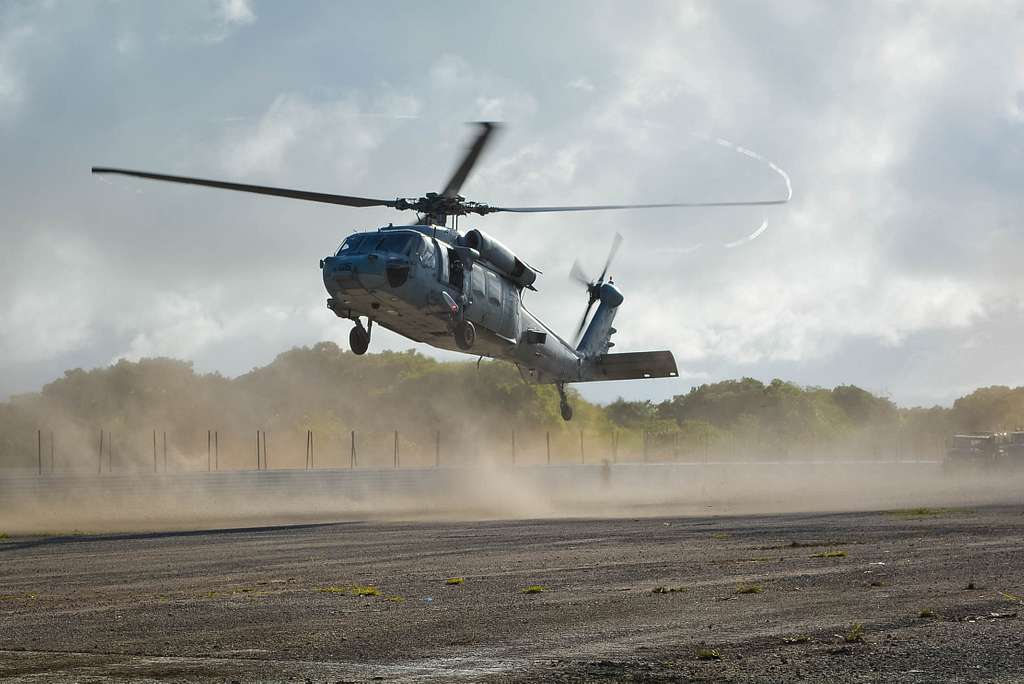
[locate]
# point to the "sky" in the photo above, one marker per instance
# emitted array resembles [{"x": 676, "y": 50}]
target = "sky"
[{"x": 897, "y": 266}]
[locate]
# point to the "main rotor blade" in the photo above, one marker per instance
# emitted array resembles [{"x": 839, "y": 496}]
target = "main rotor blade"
[
  {"x": 616, "y": 243},
  {"x": 606, "y": 207},
  {"x": 344, "y": 200},
  {"x": 472, "y": 154}
]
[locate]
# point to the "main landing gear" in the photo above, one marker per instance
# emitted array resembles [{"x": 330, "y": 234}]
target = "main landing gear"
[
  {"x": 465, "y": 335},
  {"x": 563, "y": 403},
  {"x": 359, "y": 337}
]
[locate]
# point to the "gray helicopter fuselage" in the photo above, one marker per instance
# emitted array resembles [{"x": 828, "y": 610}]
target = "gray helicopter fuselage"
[{"x": 406, "y": 278}]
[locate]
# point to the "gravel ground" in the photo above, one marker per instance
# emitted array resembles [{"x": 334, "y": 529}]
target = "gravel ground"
[{"x": 744, "y": 598}]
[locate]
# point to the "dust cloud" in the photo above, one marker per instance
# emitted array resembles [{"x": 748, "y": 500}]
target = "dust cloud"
[{"x": 69, "y": 504}]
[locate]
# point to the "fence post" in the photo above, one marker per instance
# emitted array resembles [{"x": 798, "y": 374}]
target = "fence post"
[
  {"x": 437, "y": 450},
  {"x": 352, "y": 462},
  {"x": 306, "y": 464},
  {"x": 154, "y": 451},
  {"x": 257, "y": 450},
  {"x": 100, "y": 470},
  {"x": 39, "y": 438},
  {"x": 396, "y": 448},
  {"x": 582, "y": 457},
  {"x": 548, "y": 439},
  {"x": 311, "y": 465}
]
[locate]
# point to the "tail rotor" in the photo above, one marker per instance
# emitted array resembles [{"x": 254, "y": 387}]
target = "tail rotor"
[{"x": 593, "y": 286}]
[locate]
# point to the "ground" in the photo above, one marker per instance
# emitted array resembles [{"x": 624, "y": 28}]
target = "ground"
[{"x": 743, "y": 598}]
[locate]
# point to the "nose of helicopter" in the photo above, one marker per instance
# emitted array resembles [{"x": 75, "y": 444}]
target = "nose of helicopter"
[{"x": 364, "y": 272}]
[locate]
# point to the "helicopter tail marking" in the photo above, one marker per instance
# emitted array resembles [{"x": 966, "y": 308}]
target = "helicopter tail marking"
[{"x": 631, "y": 366}]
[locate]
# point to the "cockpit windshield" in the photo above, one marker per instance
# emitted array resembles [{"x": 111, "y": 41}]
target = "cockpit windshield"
[{"x": 372, "y": 242}]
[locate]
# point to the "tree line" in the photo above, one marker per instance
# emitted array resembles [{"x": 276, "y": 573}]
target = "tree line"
[{"x": 330, "y": 391}]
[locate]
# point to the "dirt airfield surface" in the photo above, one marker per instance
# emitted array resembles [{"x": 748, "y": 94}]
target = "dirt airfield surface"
[{"x": 742, "y": 598}]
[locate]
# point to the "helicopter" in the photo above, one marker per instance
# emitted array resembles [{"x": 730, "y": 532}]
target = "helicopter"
[{"x": 463, "y": 291}]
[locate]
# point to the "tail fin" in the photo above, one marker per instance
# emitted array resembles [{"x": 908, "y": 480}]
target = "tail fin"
[
  {"x": 631, "y": 366},
  {"x": 597, "y": 339}
]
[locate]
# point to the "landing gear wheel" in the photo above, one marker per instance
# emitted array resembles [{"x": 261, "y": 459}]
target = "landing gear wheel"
[
  {"x": 359, "y": 340},
  {"x": 563, "y": 404},
  {"x": 465, "y": 335}
]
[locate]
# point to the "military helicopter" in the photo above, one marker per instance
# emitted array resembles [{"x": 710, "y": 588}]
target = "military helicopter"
[{"x": 431, "y": 283}]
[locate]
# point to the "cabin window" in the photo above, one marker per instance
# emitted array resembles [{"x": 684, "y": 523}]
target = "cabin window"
[
  {"x": 493, "y": 288},
  {"x": 479, "y": 286},
  {"x": 456, "y": 272},
  {"x": 427, "y": 259}
]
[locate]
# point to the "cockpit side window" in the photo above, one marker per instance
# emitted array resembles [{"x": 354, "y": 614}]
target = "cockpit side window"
[{"x": 352, "y": 245}]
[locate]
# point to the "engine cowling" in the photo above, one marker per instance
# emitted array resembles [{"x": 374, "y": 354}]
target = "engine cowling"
[{"x": 500, "y": 257}]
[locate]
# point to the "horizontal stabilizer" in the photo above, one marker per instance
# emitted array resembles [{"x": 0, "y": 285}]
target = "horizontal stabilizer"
[{"x": 631, "y": 366}]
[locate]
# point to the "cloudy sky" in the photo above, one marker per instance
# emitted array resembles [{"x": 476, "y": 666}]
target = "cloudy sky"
[{"x": 898, "y": 265}]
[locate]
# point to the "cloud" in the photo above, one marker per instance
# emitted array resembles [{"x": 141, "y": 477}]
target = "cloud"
[
  {"x": 236, "y": 12},
  {"x": 12, "y": 84},
  {"x": 41, "y": 321},
  {"x": 298, "y": 131},
  {"x": 900, "y": 125},
  {"x": 583, "y": 84},
  {"x": 209, "y": 22}
]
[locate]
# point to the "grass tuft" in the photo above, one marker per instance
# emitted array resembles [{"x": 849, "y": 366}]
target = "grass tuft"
[
  {"x": 4, "y": 535},
  {"x": 354, "y": 590},
  {"x": 708, "y": 654},
  {"x": 926, "y": 512},
  {"x": 926, "y": 613},
  {"x": 855, "y": 635},
  {"x": 720, "y": 535},
  {"x": 19, "y": 597},
  {"x": 797, "y": 639},
  {"x": 534, "y": 589},
  {"x": 830, "y": 554},
  {"x": 749, "y": 589},
  {"x": 454, "y": 580}
]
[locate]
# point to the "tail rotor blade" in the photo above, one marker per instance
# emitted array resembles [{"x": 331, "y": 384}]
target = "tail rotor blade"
[
  {"x": 583, "y": 322},
  {"x": 616, "y": 243},
  {"x": 578, "y": 275}
]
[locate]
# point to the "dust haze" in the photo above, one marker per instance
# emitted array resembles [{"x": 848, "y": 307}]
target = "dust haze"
[
  {"x": 321, "y": 435},
  {"x": 71, "y": 504}
]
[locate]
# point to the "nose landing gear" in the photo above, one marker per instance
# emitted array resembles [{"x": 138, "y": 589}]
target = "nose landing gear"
[
  {"x": 563, "y": 403},
  {"x": 359, "y": 337}
]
